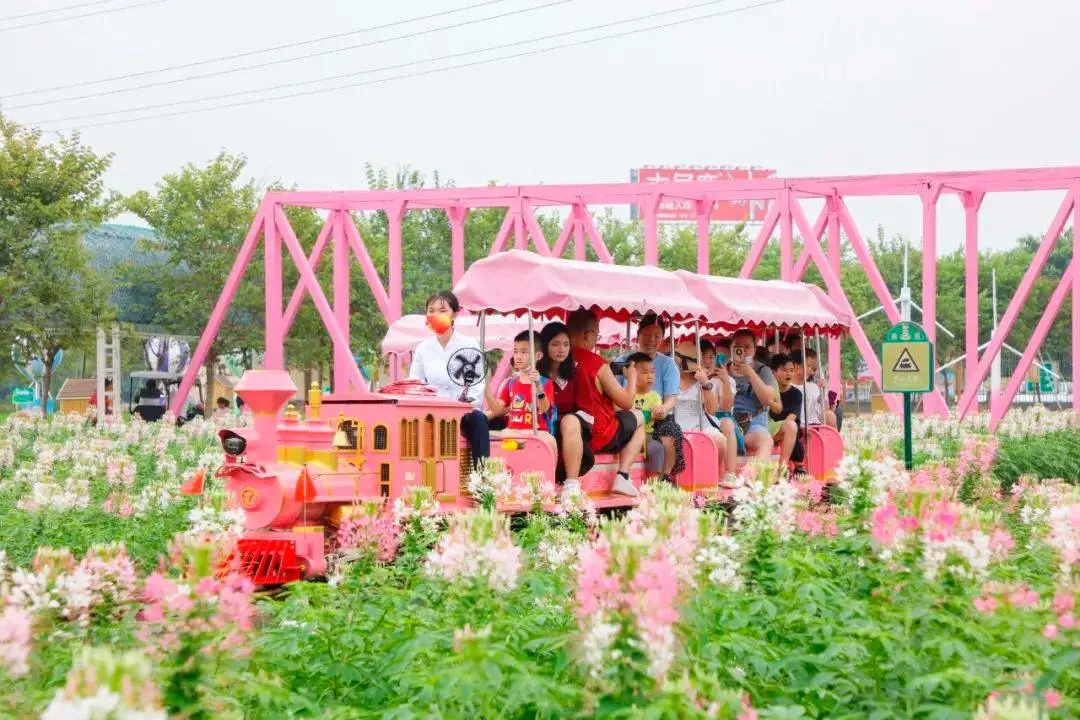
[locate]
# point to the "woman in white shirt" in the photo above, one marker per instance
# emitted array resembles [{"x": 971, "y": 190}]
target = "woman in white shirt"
[
  {"x": 429, "y": 362},
  {"x": 697, "y": 403}
]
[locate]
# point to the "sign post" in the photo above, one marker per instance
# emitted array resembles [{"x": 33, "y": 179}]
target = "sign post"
[{"x": 907, "y": 367}]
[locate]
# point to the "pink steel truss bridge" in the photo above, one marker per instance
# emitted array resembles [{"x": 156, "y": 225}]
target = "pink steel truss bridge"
[{"x": 783, "y": 195}]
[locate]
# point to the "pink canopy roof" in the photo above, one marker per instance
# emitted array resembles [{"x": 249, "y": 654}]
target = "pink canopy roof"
[
  {"x": 759, "y": 304},
  {"x": 404, "y": 333},
  {"x": 517, "y": 281}
]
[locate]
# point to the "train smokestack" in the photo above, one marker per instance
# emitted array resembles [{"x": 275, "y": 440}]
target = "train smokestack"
[{"x": 265, "y": 392}]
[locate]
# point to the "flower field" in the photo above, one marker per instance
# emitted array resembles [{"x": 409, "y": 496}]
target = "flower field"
[{"x": 948, "y": 592}]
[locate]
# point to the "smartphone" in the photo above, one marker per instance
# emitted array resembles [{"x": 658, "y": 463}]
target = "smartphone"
[
  {"x": 617, "y": 367},
  {"x": 721, "y": 360}
]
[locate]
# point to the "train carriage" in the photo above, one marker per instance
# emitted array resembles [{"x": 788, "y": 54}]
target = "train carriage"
[{"x": 297, "y": 478}]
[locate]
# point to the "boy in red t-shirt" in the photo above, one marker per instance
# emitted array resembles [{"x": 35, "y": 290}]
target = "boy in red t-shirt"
[
  {"x": 594, "y": 424},
  {"x": 516, "y": 396},
  {"x": 108, "y": 397}
]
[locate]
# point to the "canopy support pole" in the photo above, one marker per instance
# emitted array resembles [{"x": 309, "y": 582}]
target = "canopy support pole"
[{"x": 532, "y": 366}]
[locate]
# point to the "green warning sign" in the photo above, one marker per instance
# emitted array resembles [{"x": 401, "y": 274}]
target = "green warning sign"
[
  {"x": 907, "y": 360},
  {"x": 21, "y": 396}
]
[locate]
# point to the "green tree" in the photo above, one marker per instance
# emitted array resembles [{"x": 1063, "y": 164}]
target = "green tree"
[
  {"x": 200, "y": 216},
  {"x": 50, "y": 296}
]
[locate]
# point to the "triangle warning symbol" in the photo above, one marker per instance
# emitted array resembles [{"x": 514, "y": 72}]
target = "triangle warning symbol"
[{"x": 905, "y": 363}]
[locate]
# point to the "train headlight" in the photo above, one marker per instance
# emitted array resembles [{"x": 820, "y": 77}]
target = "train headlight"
[{"x": 233, "y": 444}]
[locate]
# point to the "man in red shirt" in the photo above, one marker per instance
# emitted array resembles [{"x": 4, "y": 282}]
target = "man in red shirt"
[{"x": 593, "y": 424}]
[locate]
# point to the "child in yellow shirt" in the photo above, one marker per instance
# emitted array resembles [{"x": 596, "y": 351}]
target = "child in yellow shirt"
[{"x": 646, "y": 400}]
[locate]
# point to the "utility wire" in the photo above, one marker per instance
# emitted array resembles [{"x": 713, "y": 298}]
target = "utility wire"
[
  {"x": 369, "y": 71},
  {"x": 282, "y": 61},
  {"x": 106, "y": 11},
  {"x": 433, "y": 71},
  {"x": 56, "y": 10},
  {"x": 249, "y": 53}
]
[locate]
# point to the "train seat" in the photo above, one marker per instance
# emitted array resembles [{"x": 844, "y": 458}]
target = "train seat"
[
  {"x": 546, "y": 439},
  {"x": 597, "y": 482}
]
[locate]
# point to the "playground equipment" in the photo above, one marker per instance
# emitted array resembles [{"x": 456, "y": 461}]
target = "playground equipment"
[
  {"x": 32, "y": 368},
  {"x": 108, "y": 366}
]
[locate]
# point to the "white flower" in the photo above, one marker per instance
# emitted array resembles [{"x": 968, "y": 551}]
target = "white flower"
[
  {"x": 719, "y": 560},
  {"x": 765, "y": 507},
  {"x": 555, "y": 553},
  {"x": 490, "y": 481},
  {"x": 597, "y": 641}
]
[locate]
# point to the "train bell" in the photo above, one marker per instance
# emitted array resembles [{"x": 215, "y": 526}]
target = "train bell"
[{"x": 341, "y": 440}]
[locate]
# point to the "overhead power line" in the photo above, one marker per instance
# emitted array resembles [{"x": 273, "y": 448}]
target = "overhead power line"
[
  {"x": 384, "y": 68},
  {"x": 250, "y": 53},
  {"x": 56, "y": 10},
  {"x": 449, "y": 68},
  {"x": 105, "y": 11},
  {"x": 283, "y": 61}
]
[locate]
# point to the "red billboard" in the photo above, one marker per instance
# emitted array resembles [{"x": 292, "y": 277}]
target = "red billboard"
[{"x": 724, "y": 211}]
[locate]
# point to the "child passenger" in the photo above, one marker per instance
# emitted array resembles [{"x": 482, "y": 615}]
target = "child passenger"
[
  {"x": 784, "y": 424},
  {"x": 223, "y": 412},
  {"x": 646, "y": 399},
  {"x": 525, "y": 391},
  {"x": 714, "y": 359}
]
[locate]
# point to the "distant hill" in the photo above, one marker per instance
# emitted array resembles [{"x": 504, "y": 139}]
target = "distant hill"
[{"x": 112, "y": 245}]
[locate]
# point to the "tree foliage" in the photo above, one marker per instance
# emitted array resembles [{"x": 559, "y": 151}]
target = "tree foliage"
[
  {"x": 200, "y": 216},
  {"x": 51, "y": 298}
]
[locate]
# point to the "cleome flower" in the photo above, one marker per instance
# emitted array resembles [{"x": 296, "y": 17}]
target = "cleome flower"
[
  {"x": 371, "y": 532},
  {"x": 477, "y": 548},
  {"x": 103, "y": 685},
  {"x": 15, "y": 633},
  {"x": 490, "y": 481},
  {"x": 417, "y": 510},
  {"x": 629, "y": 581},
  {"x": 765, "y": 502}
]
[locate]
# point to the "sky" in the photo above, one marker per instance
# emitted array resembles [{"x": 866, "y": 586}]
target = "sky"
[{"x": 808, "y": 87}]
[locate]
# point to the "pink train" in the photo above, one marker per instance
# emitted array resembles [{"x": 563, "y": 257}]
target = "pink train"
[{"x": 298, "y": 479}]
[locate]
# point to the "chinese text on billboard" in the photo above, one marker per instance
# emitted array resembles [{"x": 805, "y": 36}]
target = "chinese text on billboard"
[{"x": 724, "y": 211}]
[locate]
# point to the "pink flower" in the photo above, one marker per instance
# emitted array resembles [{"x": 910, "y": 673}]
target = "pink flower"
[
  {"x": 152, "y": 613},
  {"x": 14, "y": 641},
  {"x": 1050, "y": 632},
  {"x": 126, "y": 510},
  {"x": 1024, "y": 598},
  {"x": 1067, "y": 621},
  {"x": 1052, "y": 697},
  {"x": 595, "y": 586},
  {"x": 157, "y": 587},
  {"x": 885, "y": 524},
  {"x": 180, "y": 603},
  {"x": 748, "y": 712},
  {"x": 985, "y": 605},
  {"x": 1064, "y": 601},
  {"x": 207, "y": 587},
  {"x": 379, "y": 535},
  {"x": 107, "y": 506},
  {"x": 1001, "y": 540}
]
